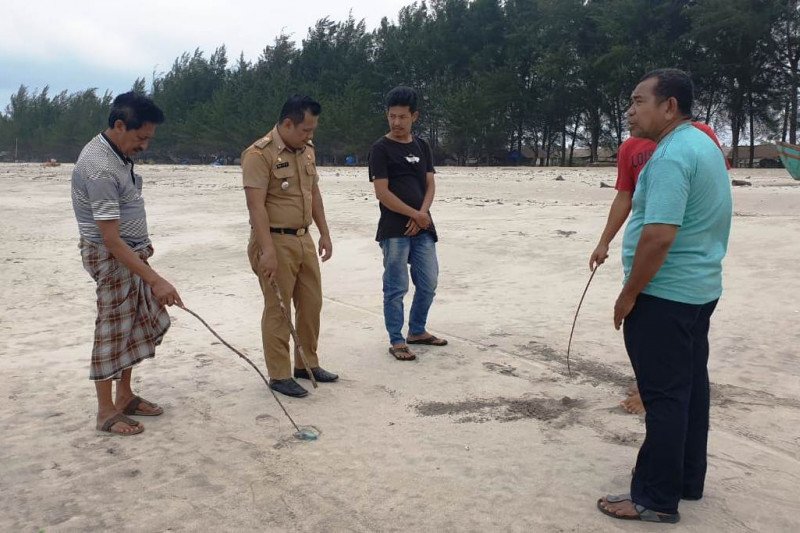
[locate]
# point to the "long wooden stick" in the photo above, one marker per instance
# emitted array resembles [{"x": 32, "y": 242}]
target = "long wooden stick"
[
  {"x": 574, "y": 320},
  {"x": 297, "y": 345},
  {"x": 243, "y": 356}
]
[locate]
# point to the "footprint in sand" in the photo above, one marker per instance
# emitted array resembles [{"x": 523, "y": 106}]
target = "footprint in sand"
[
  {"x": 203, "y": 360},
  {"x": 506, "y": 370}
]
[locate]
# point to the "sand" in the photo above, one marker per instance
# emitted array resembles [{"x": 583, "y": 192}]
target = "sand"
[{"x": 486, "y": 434}]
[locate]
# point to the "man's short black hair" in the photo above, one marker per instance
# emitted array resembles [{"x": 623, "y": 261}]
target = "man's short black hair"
[
  {"x": 296, "y": 106},
  {"x": 134, "y": 110},
  {"x": 402, "y": 96},
  {"x": 673, "y": 83}
]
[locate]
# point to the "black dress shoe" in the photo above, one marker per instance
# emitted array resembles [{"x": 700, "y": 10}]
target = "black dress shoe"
[
  {"x": 320, "y": 374},
  {"x": 289, "y": 387}
]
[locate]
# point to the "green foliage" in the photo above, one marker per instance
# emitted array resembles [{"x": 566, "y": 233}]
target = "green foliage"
[
  {"x": 39, "y": 127},
  {"x": 494, "y": 76}
]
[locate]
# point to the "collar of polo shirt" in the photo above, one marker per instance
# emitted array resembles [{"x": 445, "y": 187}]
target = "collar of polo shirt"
[{"x": 125, "y": 159}]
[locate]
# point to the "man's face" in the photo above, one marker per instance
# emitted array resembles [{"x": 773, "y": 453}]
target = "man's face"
[
  {"x": 131, "y": 142},
  {"x": 648, "y": 114},
  {"x": 400, "y": 120},
  {"x": 297, "y": 135}
]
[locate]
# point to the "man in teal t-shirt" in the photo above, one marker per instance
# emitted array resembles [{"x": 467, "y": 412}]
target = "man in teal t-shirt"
[
  {"x": 672, "y": 255},
  {"x": 685, "y": 184}
]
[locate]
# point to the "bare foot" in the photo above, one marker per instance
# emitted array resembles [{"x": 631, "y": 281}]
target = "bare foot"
[{"x": 633, "y": 404}]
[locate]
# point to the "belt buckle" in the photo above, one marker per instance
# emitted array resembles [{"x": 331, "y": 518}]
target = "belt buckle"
[{"x": 301, "y": 232}]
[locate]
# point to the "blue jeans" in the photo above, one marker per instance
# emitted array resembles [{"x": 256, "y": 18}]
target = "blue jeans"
[{"x": 398, "y": 253}]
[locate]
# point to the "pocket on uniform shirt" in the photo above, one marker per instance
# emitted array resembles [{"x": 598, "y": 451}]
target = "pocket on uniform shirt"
[
  {"x": 284, "y": 174},
  {"x": 311, "y": 170}
]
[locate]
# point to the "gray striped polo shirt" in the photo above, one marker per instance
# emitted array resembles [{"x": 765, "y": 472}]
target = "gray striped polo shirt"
[{"x": 104, "y": 187}]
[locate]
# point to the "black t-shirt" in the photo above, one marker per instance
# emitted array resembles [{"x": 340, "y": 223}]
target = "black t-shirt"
[{"x": 406, "y": 166}]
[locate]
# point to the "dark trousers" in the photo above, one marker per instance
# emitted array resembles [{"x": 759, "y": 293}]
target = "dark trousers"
[{"x": 667, "y": 343}]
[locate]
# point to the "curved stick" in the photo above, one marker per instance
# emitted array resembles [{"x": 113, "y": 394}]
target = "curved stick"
[
  {"x": 240, "y": 354},
  {"x": 574, "y": 320}
]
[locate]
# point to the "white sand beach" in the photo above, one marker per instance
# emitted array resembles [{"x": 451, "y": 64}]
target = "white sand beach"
[{"x": 486, "y": 434}]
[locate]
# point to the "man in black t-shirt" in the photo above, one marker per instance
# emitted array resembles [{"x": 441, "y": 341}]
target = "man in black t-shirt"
[{"x": 401, "y": 169}]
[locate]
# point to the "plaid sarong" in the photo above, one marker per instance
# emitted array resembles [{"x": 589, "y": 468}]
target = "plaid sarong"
[{"x": 130, "y": 321}]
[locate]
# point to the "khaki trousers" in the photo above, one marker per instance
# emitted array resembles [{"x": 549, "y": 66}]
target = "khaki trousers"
[{"x": 298, "y": 279}]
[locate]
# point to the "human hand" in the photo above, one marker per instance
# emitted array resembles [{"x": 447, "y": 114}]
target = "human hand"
[
  {"x": 268, "y": 263},
  {"x": 165, "y": 293},
  {"x": 325, "y": 247},
  {"x": 423, "y": 220},
  {"x": 622, "y": 308},
  {"x": 599, "y": 256},
  {"x": 412, "y": 228}
]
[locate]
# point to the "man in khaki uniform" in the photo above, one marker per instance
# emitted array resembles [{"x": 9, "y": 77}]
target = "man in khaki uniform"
[{"x": 283, "y": 197}]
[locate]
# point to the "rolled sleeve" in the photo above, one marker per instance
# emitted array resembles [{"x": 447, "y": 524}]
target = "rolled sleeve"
[{"x": 255, "y": 170}]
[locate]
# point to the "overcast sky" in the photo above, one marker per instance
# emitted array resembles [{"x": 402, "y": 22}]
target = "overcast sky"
[{"x": 79, "y": 44}]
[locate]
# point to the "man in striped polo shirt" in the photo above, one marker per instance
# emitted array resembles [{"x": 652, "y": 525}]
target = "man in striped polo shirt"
[{"x": 131, "y": 317}]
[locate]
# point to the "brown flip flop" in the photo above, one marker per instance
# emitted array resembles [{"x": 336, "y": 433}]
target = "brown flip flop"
[
  {"x": 433, "y": 340},
  {"x": 133, "y": 407},
  {"x": 119, "y": 417},
  {"x": 402, "y": 354}
]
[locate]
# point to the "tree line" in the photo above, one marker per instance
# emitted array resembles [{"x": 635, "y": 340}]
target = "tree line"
[{"x": 498, "y": 78}]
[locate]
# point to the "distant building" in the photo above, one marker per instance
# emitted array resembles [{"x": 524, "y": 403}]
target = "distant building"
[
  {"x": 764, "y": 155},
  {"x": 580, "y": 156}
]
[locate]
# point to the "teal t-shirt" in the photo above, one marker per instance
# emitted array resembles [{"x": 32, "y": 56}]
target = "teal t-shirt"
[{"x": 685, "y": 184}]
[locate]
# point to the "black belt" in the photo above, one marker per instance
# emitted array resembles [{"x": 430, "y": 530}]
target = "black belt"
[{"x": 290, "y": 231}]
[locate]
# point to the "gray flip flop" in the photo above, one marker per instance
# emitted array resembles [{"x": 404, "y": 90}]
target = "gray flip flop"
[{"x": 643, "y": 513}]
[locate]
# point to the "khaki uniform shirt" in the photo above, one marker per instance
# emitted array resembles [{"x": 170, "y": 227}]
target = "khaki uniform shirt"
[{"x": 269, "y": 164}]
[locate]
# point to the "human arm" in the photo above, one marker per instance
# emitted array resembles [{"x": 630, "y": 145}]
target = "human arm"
[
  {"x": 318, "y": 214},
  {"x": 386, "y": 197},
  {"x": 620, "y": 208},
  {"x": 430, "y": 188},
  {"x": 164, "y": 292},
  {"x": 259, "y": 221},
  {"x": 651, "y": 252},
  {"x": 665, "y": 194},
  {"x": 430, "y": 192},
  {"x": 412, "y": 228}
]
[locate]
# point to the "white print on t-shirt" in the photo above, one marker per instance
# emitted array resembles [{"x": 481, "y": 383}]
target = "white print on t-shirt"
[{"x": 411, "y": 158}]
